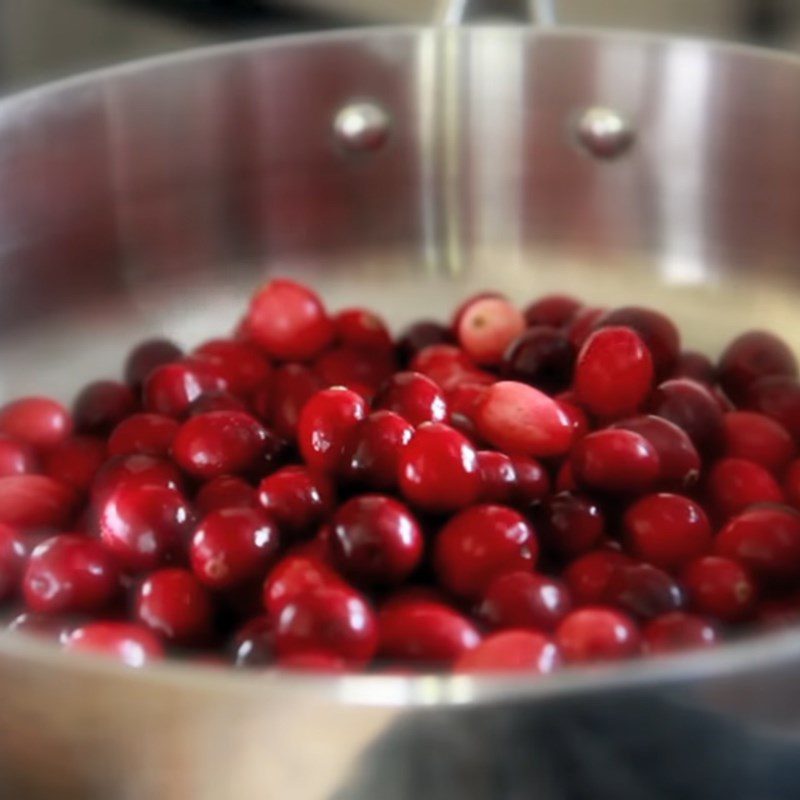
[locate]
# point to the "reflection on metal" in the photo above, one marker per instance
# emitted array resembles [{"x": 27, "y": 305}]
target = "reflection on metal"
[
  {"x": 604, "y": 133},
  {"x": 362, "y": 127}
]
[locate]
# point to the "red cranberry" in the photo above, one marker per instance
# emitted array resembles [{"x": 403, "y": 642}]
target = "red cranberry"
[
  {"x": 754, "y": 355},
  {"x": 35, "y": 501},
  {"x": 678, "y": 631},
  {"x": 297, "y": 498},
  {"x": 486, "y": 327},
  {"x": 233, "y": 546},
  {"x": 791, "y": 483},
  {"x": 657, "y": 331},
  {"x": 677, "y": 455},
  {"x": 174, "y": 604},
  {"x": 693, "y": 408},
  {"x": 313, "y": 661},
  {"x": 554, "y": 310},
  {"x": 565, "y": 480},
  {"x": 361, "y": 329},
  {"x": 13, "y": 553},
  {"x": 667, "y": 530},
  {"x": 542, "y": 357},
  {"x": 253, "y": 644},
  {"x": 439, "y": 469},
  {"x": 512, "y": 651},
  {"x": 414, "y": 397},
  {"x": 242, "y": 365},
  {"x": 144, "y": 525},
  {"x": 16, "y": 458},
  {"x": 75, "y": 461},
  {"x": 696, "y": 366},
  {"x": 779, "y": 398},
  {"x": 37, "y": 421},
  {"x": 291, "y": 578},
  {"x": 758, "y": 438},
  {"x": 209, "y": 402},
  {"x": 463, "y": 401},
  {"x": 597, "y": 634},
  {"x": 45, "y": 626},
  {"x": 643, "y": 591},
  {"x": 447, "y": 366},
  {"x": 373, "y": 452},
  {"x": 615, "y": 461},
  {"x": 293, "y": 386},
  {"x": 588, "y": 577},
  {"x": 131, "y": 645},
  {"x": 424, "y": 631},
  {"x": 70, "y": 574},
  {"x": 147, "y": 356},
  {"x": 225, "y": 491},
  {"x": 581, "y": 325},
  {"x": 520, "y": 419},
  {"x": 498, "y": 477},
  {"x": 575, "y": 414},
  {"x": 331, "y": 618},
  {"x": 101, "y": 406},
  {"x": 363, "y": 371},
  {"x": 375, "y": 540},
  {"x": 172, "y": 388},
  {"x": 149, "y": 434},
  {"x": 532, "y": 483},
  {"x": 734, "y": 484},
  {"x": 134, "y": 469},
  {"x": 525, "y": 600},
  {"x": 421, "y": 335},
  {"x": 571, "y": 524},
  {"x": 479, "y": 544},
  {"x": 765, "y": 540},
  {"x": 289, "y": 322},
  {"x": 721, "y": 587}
]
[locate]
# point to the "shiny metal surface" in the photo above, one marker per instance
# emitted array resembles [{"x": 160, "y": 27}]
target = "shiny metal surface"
[
  {"x": 603, "y": 132},
  {"x": 362, "y": 127},
  {"x": 154, "y": 196}
]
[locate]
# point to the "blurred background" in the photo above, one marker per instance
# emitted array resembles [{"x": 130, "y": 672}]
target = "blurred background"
[{"x": 41, "y": 39}]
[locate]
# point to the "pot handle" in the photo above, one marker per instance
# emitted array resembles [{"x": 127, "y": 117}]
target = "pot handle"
[{"x": 537, "y": 12}]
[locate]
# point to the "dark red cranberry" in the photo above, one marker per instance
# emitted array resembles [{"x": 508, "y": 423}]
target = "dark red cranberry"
[
  {"x": 209, "y": 402},
  {"x": 448, "y": 366},
  {"x": 554, "y": 310},
  {"x": 439, "y": 469},
  {"x": 667, "y": 530},
  {"x": 148, "y": 434},
  {"x": 373, "y": 452},
  {"x": 253, "y": 644},
  {"x": 520, "y": 419},
  {"x": 13, "y": 553},
  {"x": 613, "y": 373},
  {"x": 479, "y": 544},
  {"x": 414, "y": 397},
  {"x": 101, "y": 406},
  {"x": 362, "y": 329},
  {"x": 751, "y": 356},
  {"x": 581, "y": 324},
  {"x": 615, "y": 460},
  {"x": 293, "y": 386},
  {"x": 375, "y": 541},
  {"x": 644, "y": 591},
  {"x": 241, "y": 364},
  {"x": 45, "y": 626},
  {"x": 572, "y": 524},
  {"x": 313, "y": 661},
  {"x": 720, "y": 587},
  {"x": 37, "y": 421},
  {"x": 735, "y": 484},
  {"x": 542, "y": 357},
  {"x": 696, "y": 366},
  {"x": 172, "y": 388},
  {"x": 293, "y": 577},
  {"x": 225, "y": 491},
  {"x": 30, "y": 502},
  {"x": 75, "y": 461},
  {"x": 297, "y": 498},
  {"x": 173, "y": 604},
  {"x": 597, "y": 634},
  {"x": 676, "y": 632},
  {"x": 421, "y": 335},
  {"x": 423, "y": 631},
  {"x": 565, "y": 480},
  {"x": 512, "y": 651},
  {"x": 144, "y": 525},
  {"x": 532, "y": 483},
  {"x": 525, "y": 600},
  {"x": 233, "y": 546},
  {"x": 791, "y": 483},
  {"x": 363, "y": 371},
  {"x": 134, "y": 469},
  {"x": 70, "y": 574},
  {"x": 130, "y": 644},
  {"x": 588, "y": 576},
  {"x": 486, "y": 326},
  {"x": 289, "y": 322},
  {"x": 693, "y": 408},
  {"x": 16, "y": 458},
  {"x": 758, "y": 438},
  {"x": 778, "y": 397},
  {"x": 147, "y": 356},
  {"x": 498, "y": 477}
]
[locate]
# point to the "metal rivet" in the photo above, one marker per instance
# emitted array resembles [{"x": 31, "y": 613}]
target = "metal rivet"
[
  {"x": 362, "y": 127},
  {"x": 604, "y": 133}
]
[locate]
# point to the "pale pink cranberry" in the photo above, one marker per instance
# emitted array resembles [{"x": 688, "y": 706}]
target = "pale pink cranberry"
[
  {"x": 512, "y": 651},
  {"x": 37, "y": 421},
  {"x": 486, "y": 326}
]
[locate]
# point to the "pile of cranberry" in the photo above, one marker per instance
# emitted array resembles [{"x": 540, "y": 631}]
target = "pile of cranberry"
[{"x": 508, "y": 492}]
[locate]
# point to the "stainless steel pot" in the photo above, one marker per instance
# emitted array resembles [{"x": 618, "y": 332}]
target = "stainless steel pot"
[{"x": 405, "y": 168}]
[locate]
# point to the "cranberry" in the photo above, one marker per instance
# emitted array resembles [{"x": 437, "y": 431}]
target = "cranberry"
[
  {"x": 173, "y": 604},
  {"x": 172, "y": 388},
  {"x": 657, "y": 331},
  {"x": 463, "y": 401},
  {"x": 70, "y": 574},
  {"x": 532, "y": 483},
  {"x": 693, "y": 408},
  {"x": 447, "y": 366},
  {"x": 512, "y": 651},
  {"x": 147, "y": 356},
  {"x": 542, "y": 357},
  {"x": 555, "y": 310},
  {"x": 777, "y": 613},
  {"x": 37, "y": 421},
  {"x": 667, "y": 530},
  {"x": 696, "y": 366},
  {"x": 588, "y": 577},
  {"x": 678, "y": 631},
  {"x": 485, "y": 328},
  {"x": 359, "y": 328},
  {"x": 289, "y": 322},
  {"x": 131, "y": 645},
  {"x": 597, "y": 634},
  {"x": 13, "y": 553},
  {"x": 35, "y": 501},
  {"x": 520, "y": 419},
  {"x": 233, "y": 546},
  {"x": 765, "y": 540},
  {"x": 253, "y": 644},
  {"x": 330, "y": 618},
  {"x": 613, "y": 373},
  {"x": 75, "y": 461},
  {"x": 297, "y": 498},
  {"x": 293, "y": 386},
  {"x": 754, "y": 355},
  {"x": 572, "y": 524},
  {"x": 225, "y": 491},
  {"x": 414, "y": 397},
  {"x": 721, "y": 587},
  {"x": 779, "y": 398},
  {"x": 215, "y": 401},
  {"x": 291, "y": 578},
  {"x": 313, "y": 661},
  {"x": 565, "y": 480},
  {"x": 148, "y": 434},
  {"x": 581, "y": 324},
  {"x": 242, "y": 366},
  {"x": 481, "y": 543},
  {"x": 45, "y": 626},
  {"x": 525, "y": 600},
  {"x": 363, "y": 371},
  {"x": 421, "y": 335},
  {"x": 16, "y": 458},
  {"x": 373, "y": 452},
  {"x": 758, "y": 438},
  {"x": 439, "y": 469},
  {"x": 498, "y": 477},
  {"x": 734, "y": 484},
  {"x": 101, "y": 406},
  {"x": 615, "y": 461},
  {"x": 375, "y": 540},
  {"x": 791, "y": 483},
  {"x": 134, "y": 469},
  {"x": 643, "y": 591},
  {"x": 144, "y": 525},
  {"x": 423, "y": 631},
  {"x": 677, "y": 455},
  {"x": 575, "y": 414}
]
